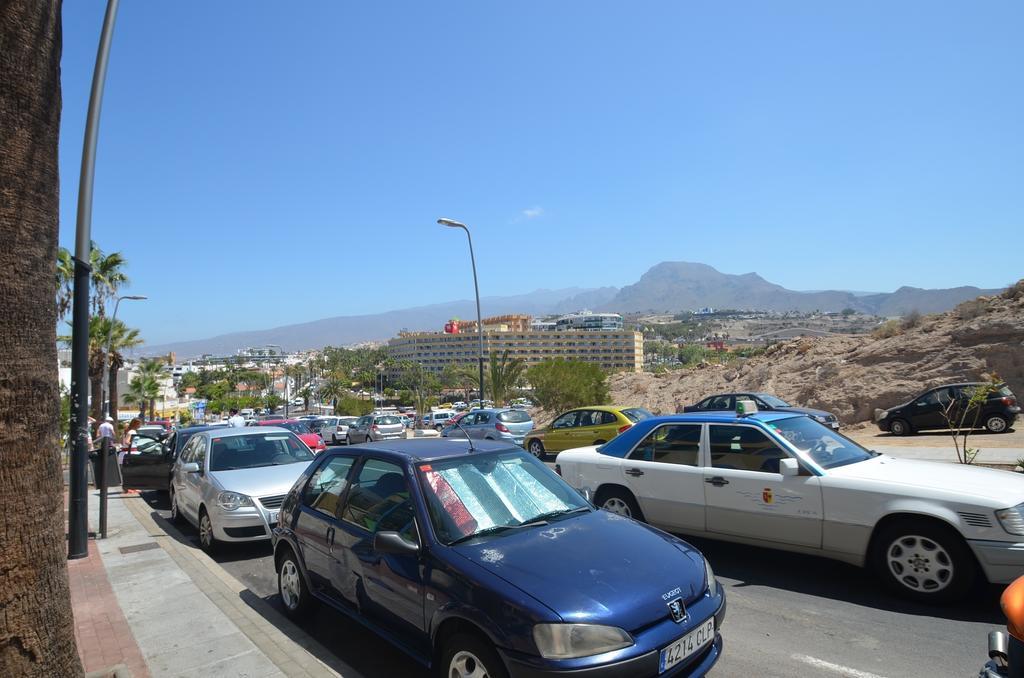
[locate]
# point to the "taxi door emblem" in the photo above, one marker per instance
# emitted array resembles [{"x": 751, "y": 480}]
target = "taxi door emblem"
[{"x": 766, "y": 495}]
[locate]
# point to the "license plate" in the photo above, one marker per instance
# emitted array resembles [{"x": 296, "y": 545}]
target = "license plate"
[
  {"x": 272, "y": 518},
  {"x": 687, "y": 646}
]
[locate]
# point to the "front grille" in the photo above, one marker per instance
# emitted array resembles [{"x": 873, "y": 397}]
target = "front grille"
[
  {"x": 975, "y": 519},
  {"x": 240, "y": 532},
  {"x": 272, "y": 502}
]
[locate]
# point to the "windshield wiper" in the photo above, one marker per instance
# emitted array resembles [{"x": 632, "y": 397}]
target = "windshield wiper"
[
  {"x": 494, "y": 529},
  {"x": 545, "y": 517}
]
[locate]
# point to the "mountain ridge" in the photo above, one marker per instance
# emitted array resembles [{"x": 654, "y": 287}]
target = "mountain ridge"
[{"x": 665, "y": 287}]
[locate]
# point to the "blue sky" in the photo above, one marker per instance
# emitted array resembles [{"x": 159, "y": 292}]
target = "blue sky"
[{"x": 263, "y": 163}]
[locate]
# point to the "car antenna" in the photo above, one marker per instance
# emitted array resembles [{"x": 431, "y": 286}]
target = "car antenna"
[{"x": 471, "y": 448}]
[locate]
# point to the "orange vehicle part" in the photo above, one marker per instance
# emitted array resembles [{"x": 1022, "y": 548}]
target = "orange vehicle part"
[{"x": 1012, "y": 602}]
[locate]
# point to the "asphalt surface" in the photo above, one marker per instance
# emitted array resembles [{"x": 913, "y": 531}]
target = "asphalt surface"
[{"x": 788, "y": 615}]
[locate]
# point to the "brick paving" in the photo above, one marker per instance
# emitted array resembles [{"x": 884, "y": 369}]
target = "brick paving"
[{"x": 101, "y": 630}]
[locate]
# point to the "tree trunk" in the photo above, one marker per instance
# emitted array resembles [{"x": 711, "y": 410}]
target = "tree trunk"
[
  {"x": 112, "y": 392},
  {"x": 36, "y": 624},
  {"x": 95, "y": 393}
]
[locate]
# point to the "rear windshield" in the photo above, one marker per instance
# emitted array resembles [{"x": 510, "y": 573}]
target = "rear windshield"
[
  {"x": 387, "y": 420},
  {"x": 1005, "y": 392},
  {"x": 635, "y": 414},
  {"x": 295, "y": 427},
  {"x": 348, "y": 421},
  {"x": 255, "y": 450},
  {"x": 513, "y": 417}
]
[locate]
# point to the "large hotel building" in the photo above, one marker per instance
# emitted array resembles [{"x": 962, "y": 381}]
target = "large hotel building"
[{"x": 597, "y": 338}]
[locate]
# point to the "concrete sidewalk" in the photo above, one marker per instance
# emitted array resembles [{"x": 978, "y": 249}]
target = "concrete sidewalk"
[
  {"x": 997, "y": 456},
  {"x": 187, "y": 616}
]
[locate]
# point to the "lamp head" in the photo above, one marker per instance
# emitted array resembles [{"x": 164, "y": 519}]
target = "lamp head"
[
  {"x": 451, "y": 223},
  {"x": 134, "y": 297}
]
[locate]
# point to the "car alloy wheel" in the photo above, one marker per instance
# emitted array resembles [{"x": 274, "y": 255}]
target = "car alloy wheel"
[
  {"x": 617, "y": 506},
  {"x": 537, "y": 448},
  {"x": 348, "y": 439},
  {"x": 919, "y": 563},
  {"x": 290, "y": 585},
  {"x": 175, "y": 512},
  {"x": 206, "y": 538},
  {"x": 467, "y": 665},
  {"x": 899, "y": 427},
  {"x": 996, "y": 424}
]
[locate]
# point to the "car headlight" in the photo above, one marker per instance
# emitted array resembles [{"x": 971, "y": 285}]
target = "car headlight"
[
  {"x": 712, "y": 582},
  {"x": 229, "y": 501},
  {"x": 1012, "y": 519},
  {"x": 566, "y": 641}
]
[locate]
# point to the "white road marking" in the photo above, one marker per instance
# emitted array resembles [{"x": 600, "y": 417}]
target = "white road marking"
[{"x": 838, "y": 668}]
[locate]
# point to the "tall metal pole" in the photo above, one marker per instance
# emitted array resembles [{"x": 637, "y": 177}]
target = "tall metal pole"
[{"x": 78, "y": 514}]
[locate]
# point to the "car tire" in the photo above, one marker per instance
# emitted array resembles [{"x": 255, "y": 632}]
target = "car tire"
[
  {"x": 348, "y": 439},
  {"x": 438, "y": 428},
  {"x": 291, "y": 585},
  {"x": 997, "y": 423},
  {"x": 465, "y": 655},
  {"x": 334, "y": 439},
  {"x": 207, "y": 541},
  {"x": 175, "y": 516},
  {"x": 619, "y": 501},
  {"x": 923, "y": 560},
  {"x": 900, "y": 427},
  {"x": 536, "y": 448}
]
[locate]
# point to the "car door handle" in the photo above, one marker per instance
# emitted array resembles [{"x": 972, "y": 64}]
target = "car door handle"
[
  {"x": 635, "y": 472},
  {"x": 717, "y": 481},
  {"x": 330, "y": 539}
]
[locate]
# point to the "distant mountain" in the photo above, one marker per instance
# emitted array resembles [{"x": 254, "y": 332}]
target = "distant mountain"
[
  {"x": 670, "y": 286},
  {"x": 674, "y": 286},
  {"x": 342, "y": 330}
]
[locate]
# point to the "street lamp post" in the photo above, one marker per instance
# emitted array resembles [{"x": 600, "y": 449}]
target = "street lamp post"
[
  {"x": 78, "y": 510},
  {"x": 105, "y": 383},
  {"x": 476, "y": 288}
]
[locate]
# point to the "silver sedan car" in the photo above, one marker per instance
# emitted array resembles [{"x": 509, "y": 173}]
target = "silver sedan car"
[{"x": 231, "y": 482}]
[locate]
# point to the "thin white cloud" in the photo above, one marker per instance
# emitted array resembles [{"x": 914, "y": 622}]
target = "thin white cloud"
[{"x": 533, "y": 212}]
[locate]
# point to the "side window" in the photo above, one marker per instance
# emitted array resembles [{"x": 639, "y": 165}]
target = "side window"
[
  {"x": 190, "y": 448},
  {"x": 673, "y": 444},
  {"x": 379, "y": 500},
  {"x": 199, "y": 452},
  {"x": 587, "y": 418},
  {"x": 482, "y": 418},
  {"x": 939, "y": 397},
  {"x": 723, "y": 402},
  {"x": 744, "y": 448},
  {"x": 567, "y": 420},
  {"x": 608, "y": 418},
  {"x": 324, "y": 490}
]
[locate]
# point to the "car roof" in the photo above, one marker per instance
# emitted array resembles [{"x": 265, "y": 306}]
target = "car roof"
[
  {"x": 602, "y": 408},
  {"x": 721, "y": 417},
  {"x": 431, "y": 449},
  {"x": 231, "y": 432}
]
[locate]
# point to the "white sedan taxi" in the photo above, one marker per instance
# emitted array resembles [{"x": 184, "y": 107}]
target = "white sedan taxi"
[{"x": 788, "y": 482}]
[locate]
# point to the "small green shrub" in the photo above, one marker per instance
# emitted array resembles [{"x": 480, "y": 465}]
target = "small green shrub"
[
  {"x": 890, "y": 328},
  {"x": 911, "y": 320}
]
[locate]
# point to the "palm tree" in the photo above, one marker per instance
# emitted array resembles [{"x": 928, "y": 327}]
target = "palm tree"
[
  {"x": 141, "y": 391},
  {"x": 333, "y": 389},
  {"x": 38, "y": 626},
  {"x": 107, "y": 277},
  {"x": 504, "y": 375},
  {"x": 120, "y": 337},
  {"x": 306, "y": 394},
  {"x": 456, "y": 375},
  {"x": 151, "y": 371},
  {"x": 65, "y": 282}
]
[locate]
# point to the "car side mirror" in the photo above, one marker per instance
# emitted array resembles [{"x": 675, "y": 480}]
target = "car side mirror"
[
  {"x": 392, "y": 542},
  {"x": 789, "y": 467},
  {"x": 191, "y": 467}
]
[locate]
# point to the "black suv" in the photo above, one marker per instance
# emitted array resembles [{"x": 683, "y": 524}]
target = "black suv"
[
  {"x": 937, "y": 407},
  {"x": 766, "y": 402}
]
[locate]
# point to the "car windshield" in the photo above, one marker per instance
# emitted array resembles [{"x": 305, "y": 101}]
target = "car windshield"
[
  {"x": 513, "y": 417},
  {"x": 635, "y": 414},
  {"x": 294, "y": 426},
  {"x": 773, "y": 401},
  {"x": 348, "y": 421},
  {"x": 1004, "y": 391},
  {"x": 828, "y": 448},
  {"x": 256, "y": 449},
  {"x": 384, "y": 421},
  {"x": 489, "y": 493}
]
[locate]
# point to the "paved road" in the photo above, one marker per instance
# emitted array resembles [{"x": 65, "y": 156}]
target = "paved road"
[{"x": 789, "y": 615}]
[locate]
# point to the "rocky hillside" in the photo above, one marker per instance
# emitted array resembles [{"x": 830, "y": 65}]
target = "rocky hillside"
[{"x": 852, "y": 376}]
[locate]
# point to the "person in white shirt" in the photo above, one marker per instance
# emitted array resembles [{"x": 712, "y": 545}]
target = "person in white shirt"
[
  {"x": 235, "y": 420},
  {"x": 106, "y": 429}
]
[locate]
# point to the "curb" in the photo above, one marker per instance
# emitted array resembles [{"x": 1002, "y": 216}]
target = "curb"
[{"x": 292, "y": 650}]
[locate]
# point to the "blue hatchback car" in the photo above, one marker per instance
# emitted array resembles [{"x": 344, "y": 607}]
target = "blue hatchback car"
[{"x": 476, "y": 559}]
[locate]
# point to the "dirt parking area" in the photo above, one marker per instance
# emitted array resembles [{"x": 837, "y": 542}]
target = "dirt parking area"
[{"x": 868, "y": 434}]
